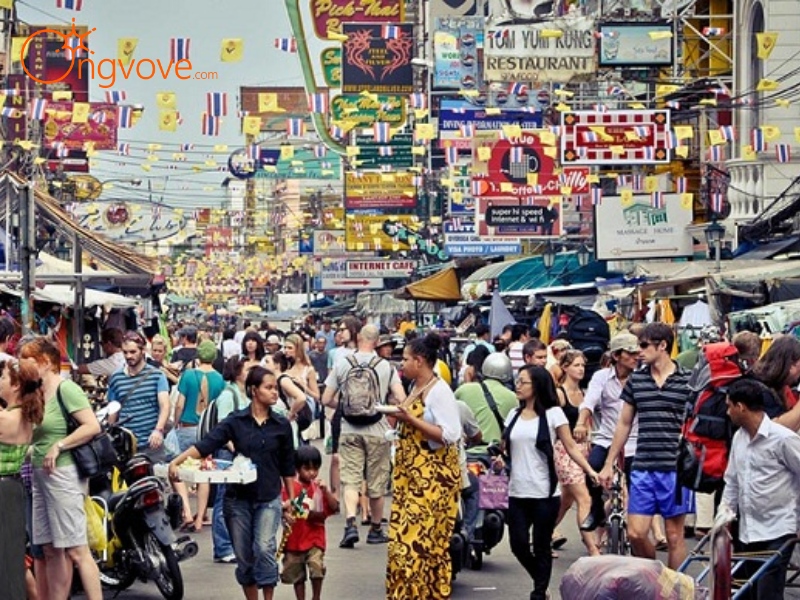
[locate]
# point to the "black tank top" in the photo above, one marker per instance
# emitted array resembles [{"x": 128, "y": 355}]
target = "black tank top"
[{"x": 570, "y": 411}]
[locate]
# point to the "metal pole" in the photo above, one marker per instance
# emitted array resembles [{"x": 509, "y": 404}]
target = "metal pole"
[
  {"x": 718, "y": 253},
  {"x": 28, "y": 256},
  {"x": 77, "y": 311}
]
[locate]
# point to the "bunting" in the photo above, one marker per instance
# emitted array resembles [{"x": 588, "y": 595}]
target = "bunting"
[
  {"x": 123, "y": 149},
  {"x": 37, "y": 109},
  {"x": 211, "y": 125},
  {"x": 318, "y": 103},
  {"x": 116, "y": 96},
  {"x": 757, "y": 140},
  {"x": 70, "y": 4},
  {"x": 716, "y": 202},
  {"x": 124, "y": 117},
  {"x": 295, "y": 127},
  {"x": 286, "y": 44},
  {"x": 217, "y": 104},
  {"x": 179, "y": 49},
  {"x": 381, "y": 132},
  {"x": 783, "y": 153},
  {"x": 597, "y": 195},
  {"x": 657, "y": 199}
]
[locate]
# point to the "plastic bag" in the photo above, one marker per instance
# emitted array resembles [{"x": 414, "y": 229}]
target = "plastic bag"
[
  {"x": 95, "y": 529},
  {"x": 493, "y": 491},
  {"x": 171, "y": 444}
]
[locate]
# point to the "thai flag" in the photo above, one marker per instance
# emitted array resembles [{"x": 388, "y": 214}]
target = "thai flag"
[
  {"x": 123, "y": 149},
  {"x": 649, "y": 154},
  {"x": 783, "y": 152},
  {"x": 418, "y": 100},
  {"x": 682, "y": 185},
  {"x": 217, "y": 104},
  {"x": 9, "y": 111},
  {"x": 254, "y": 152},
  {"x": 187, "y": 147},
  {"x": 622, "y": 180},
  {"x": 716, "y": 202},
  {"x": 70, "y": 4},
  {"x": 715, "y": 154},
  {"x": 416, "y": 180},
  {"x": 386, "y": 168},
  {"x": 727, "y": 132},
  {"x": 671, "y": 139},
  {"x": 467, "y": 130},
  {"x": 178, "y": 118},
  {"x": 516, "y": 155},
  {"x": 555, "y": 130},
  {"x": 615, "y": 90},
  {"x": 241, "y": 114},
  {"x": 124, "y": 117},
  {"x": 156, "y": 211},
  {"x": 286, "y": 44},
  {"x": 657, "y": 199},
  {"x": 318, "y": 103},
  {"x": 499, "y": 34},
  {"x": 337, "y": 132},
  {"x": 320, "y": 151},
  {"x": 590, "y": 136},
  {"x": 210, "y": 125},
  {"x": 295, "y": 127},
  {"x": 115, "y": 96},
  {"x": 641, "y": 131},
  {"x": 672, "y": 104},
  {"x": 61, "y": 149},
  {"x": 637, "y": 183},
  {"x": 37, "y": 109},
  {"x": 518, "y": 88},
  {"x": 712, "y": 31},
  {"x": 74, "y": 47},
  {"x": 380, "y": 132},
  {"x": 390, "y": 32},
  {"x": 758, "y": 141},
  {"x": 476, "y": 187},
  {"x": 98, "y": 116},
  {"x": 179, "y": 49},
  {"x": 385, "y": 151},
  {"x": 597, "y": 195},
  {"x": 601, "y": 108}
]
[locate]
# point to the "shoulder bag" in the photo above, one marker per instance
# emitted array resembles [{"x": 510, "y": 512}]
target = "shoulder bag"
[{"x": 95, "y": 456}]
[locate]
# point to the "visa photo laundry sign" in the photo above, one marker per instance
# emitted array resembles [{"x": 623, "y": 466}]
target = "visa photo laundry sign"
[
  {"x": 633, "y": 228},
  {"x": 550, "y": 51}
]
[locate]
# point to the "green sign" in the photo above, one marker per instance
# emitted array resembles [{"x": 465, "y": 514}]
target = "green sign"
[
  {"x": 331, "y": 60},
  {"x": 365, "y": 111},
  {"x": 397, "y": 153},
  {"x": 304, "y": 165}
]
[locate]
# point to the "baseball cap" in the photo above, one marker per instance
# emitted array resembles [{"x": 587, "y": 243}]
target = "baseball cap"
[
  {"x": 624, "y": 341},
  {"x": 385, "y": 339},
  {"x": 274, "y": 339},
  {"x": 710, "y": 334}
]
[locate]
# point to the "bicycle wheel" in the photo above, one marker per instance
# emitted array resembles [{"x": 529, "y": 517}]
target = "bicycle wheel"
[{"x": 616, "y": 544}]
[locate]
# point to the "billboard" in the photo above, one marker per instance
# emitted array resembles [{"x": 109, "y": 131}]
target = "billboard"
[
  {"x": 292, "y": 103},
  {"x": 378, "y": 61},
  {"x": 514, "y": 163},
  {"x": 48, "y": 61},
  {"x": 455, "y": 115},
  {"x": 547, "y": 51},
  {"x": 364, "y": 111},
  {"x": 631, "y": 45},
  {"x": 533, "y": 217},
  {"x": 330, "y": 15},
  {"x": 100, "y": 129},
  {"x": 379, "y": 191},
  {"x": 365, "y": 233},
  {"x": 456, "y": 42},
  {"x": 633, "y": 229},
  {"x": 614, "y": 137}
]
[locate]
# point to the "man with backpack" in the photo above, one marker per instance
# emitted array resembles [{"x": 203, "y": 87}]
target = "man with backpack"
[{"x": 359, "y": 383}]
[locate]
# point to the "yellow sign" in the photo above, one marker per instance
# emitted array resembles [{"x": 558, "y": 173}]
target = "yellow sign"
[{"x": 364, "y": 233}]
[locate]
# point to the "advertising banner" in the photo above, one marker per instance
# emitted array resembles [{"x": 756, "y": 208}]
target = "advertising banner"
[
  {"x": 48, "y": 61},
  {"x": 382, "y": 191},
  {"x": 456, "y": 42},
  {"x": 379, "y": 267},
  {"x": 462, "y": 240},
  {"x": 534, "y": 217},
  {"x": 331, "y": 61},
  {"x": 378, "y": 61},
  {"x": 455, "y": 115},
  {"x": 100, "y": 131},
  {"x": 330, "y": 242},
  {"x": 396, "y": 153},
  {"x": 635, "y": 229},
  {"x": 364, "y": 111},
  {"x": 17, "y": 123},
  {"x": 290, "y": 102},
  {"x": 547, "y": 51},
  {"x": 615, "y": 137},
  {"x": 330, "y": 15},
  {"x": 365, "y": 233},
  {"x": 333, "y": 276},
  {"x": 302, "y": 165},
  {"x": 631, "y": 45},
  {"x": 513, "y": 165}
]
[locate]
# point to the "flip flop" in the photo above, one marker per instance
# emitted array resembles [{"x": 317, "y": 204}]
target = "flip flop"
[{"x": 558, "y": 542}]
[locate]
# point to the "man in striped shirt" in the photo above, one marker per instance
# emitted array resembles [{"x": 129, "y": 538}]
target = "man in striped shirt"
[{"x": 657, "y": 394}]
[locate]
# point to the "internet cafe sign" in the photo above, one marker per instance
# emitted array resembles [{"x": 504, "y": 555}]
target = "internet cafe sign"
[{"x": 551, "y": 51}]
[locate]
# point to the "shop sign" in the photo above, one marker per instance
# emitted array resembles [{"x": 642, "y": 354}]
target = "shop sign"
[
  {"x": 330, "y": 15},
  {"x": 331, "y": 61},
  {"x": 375, "y": 63},
  {"x": 455, "y": 52},
  {"x": 364, "y": 111}
]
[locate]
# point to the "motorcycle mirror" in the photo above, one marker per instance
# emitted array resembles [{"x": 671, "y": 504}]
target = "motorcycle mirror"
[{"x": 113, "y": 407}]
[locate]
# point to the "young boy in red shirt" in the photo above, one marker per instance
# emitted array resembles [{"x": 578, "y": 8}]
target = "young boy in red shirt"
[{"x": 305, "y": 546}]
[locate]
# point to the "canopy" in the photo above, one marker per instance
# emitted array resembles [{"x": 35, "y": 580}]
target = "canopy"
[
  {"x": 749, "y": 251},
  {"x": 65, "y": 296},
  {"x": 441, "y": 287}
]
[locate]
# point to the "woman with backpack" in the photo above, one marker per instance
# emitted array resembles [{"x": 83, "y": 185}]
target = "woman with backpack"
[
  {"x": 300, "y": 368},
  {"x": 534, "y": 495},
  {"x": 291, "y": 396}
]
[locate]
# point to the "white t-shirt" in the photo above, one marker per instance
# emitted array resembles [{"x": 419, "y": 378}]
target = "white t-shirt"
[
  {"x": 529, "y": 474},
  {"x": 441, "y": 409}
]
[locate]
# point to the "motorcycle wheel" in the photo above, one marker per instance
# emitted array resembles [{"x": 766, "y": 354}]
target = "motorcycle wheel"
[
  {"x": 168, "y": 579},
  {"x": 476, "y": 558},
  {"x": 616, "y": 537}
]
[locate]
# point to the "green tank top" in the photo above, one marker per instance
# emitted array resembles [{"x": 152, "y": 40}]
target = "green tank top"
[{"x": 11, "y": 458}]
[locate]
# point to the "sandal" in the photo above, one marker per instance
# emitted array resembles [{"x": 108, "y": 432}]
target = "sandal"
[
  {"x": 367, "y": 520},
  {"x": 662, "y": 546},
  {"x": 188, "y": 527}
]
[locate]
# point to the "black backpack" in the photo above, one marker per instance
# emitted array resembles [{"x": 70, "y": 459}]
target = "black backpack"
[{"x": 588, "y": 332}]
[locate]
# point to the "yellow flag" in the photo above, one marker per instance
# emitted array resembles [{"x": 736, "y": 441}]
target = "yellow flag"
[
  {"x": 650, "y": 184},
  {"x": 419, "y": 113},
  {"x": 664, "y": 89},
  {"x": 766, "y": 43},
  {"x": 564, "y": 93},
  {"x": 168, "y": 120},
  {"x": 145, "y": 167},
  {"x": 490, "y": 111},
  {"x": 166, "y": 100},
  {"x": 268, "y": 102},
  {"x": 771, "y": 132},
  {"x": 418, "y": 150},
  {"x": 659, "y": 35},
  {"x": 684, "y": 132},
  {"x": 154, "y": 147},
  {"x": 152, "y": 158},
  {"x": 16, "y": 49},
  {"x": 80, "y": 112},
  {"x": 682, "y": 151},
  {"x": 512, "y": 131},
  {"x": 687, "y": 201},
  {"x": 287, "y": 152},
  {"x": 2, "y": 99},
  {"x": 797, "y": 134},
  {"x": 592, "y": 178},
  {"x": 561, "y": 107},
  {"x": 631, "y": 135},
  {"x": 220, "y": 147},
  {"x": 748, "y": 152},
  {"x": 533, "y": 179},
  {"x": 232, "y": 50},
  {"x": 62, "y": 95},
  {"x": 506, "y": 187},
  {"x": 484, "y": 153},
  {"x": 469, "y": 93},
  {"x": 636, "y": 105},
  {"x": 457, "y": 197},
  {"x": 548, "y": 138},
  {"x": 550, "y": 151},
  {"x": 782, "y": 103},
  {"x": 565, "y": 190},
  {"x": 626, "y": 197},
  {"x": 7, "y": 4},
  {"x": 125, "y": 49},
  {"x": 767, "y": 85},
  {"x": 352, "y": 151},
  {"x": 251, "y": 125},
  {"x": 715, "y": 137},
  {"x": 617, "y": 149},
  {"x": 424, "y": 131}
]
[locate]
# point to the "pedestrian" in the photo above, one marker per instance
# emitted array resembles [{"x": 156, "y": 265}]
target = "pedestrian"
[
  {"x": 779, "y": 369},
  {"x": 657, "y": 393},
  {"x": 253, "y": 511},
  {"x": 21, "y": 389},
  {"x": 113, "y": 360},
  {"x": 318, "y": 356},
  {"x": 533, "y": 497},
  {"x": 762, "y": 484},
  {"x": 427, "y": 480},
  {"x": 252, "y": 349},
  {"x": 300, "y": 367},
  {"x": 304, "y": 552},
  {"x": 363, "y": 447}
]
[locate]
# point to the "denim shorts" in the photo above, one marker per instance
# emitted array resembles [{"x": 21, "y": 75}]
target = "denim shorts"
[
  {"x": 187, "y": 437},
  {"x": 253, "y": 527},
  {"x": 653, "y": 493}
]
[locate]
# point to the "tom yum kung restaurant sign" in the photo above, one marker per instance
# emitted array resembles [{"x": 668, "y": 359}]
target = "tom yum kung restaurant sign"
[{"x": 551, "y": 51}]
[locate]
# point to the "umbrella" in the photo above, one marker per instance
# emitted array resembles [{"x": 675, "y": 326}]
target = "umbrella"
[
  {"x": 544, "y": 323},
  {"x": 249, "y": 308},
  {"x": 499, "y": 316}
]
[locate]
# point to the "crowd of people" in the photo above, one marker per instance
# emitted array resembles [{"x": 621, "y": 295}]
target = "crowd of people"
[{"x": 403, "y": 427}]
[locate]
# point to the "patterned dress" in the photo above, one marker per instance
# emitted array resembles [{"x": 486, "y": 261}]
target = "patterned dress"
[{"x": 424, "y": 509}]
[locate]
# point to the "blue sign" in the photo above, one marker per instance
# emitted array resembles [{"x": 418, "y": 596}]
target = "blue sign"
[
  {"x": 454, "y": 114},
  {"x": 478, "y": 249}
]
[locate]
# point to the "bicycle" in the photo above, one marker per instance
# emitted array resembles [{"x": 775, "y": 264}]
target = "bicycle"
[{"x": 618, "y": 542}]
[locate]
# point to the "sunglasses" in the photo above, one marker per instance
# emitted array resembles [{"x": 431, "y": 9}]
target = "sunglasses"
[{"x": 644, "y": 345}]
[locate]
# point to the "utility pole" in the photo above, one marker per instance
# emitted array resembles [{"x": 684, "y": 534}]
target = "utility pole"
[{"x": 27, "y": 209}]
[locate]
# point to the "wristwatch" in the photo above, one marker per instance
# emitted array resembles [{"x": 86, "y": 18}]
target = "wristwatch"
[{"x": 60, "y": 446}]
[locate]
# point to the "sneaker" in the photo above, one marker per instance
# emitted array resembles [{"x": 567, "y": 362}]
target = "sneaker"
[
  {"x": 377, "y": 536},
  {"x": 350, "y": 538},
  {"x": 228, "y": 560}
]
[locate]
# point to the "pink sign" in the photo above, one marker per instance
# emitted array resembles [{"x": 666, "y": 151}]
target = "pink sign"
[
  {"x": 329, "y": 15},
  {"x": 99, "y": 129}
]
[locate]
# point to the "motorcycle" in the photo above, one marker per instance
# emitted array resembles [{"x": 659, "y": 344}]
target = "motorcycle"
[
  {"x": 139, "y": 520},
  {"x": 491, "y": 521}
]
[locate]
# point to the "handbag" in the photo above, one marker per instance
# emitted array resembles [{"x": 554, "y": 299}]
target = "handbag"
[
  {"x": 95, "y": 456},
  {"x": 493, "y": 491}
]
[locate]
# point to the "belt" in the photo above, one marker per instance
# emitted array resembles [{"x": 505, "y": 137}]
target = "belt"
[{"x": 182, "y": 424}]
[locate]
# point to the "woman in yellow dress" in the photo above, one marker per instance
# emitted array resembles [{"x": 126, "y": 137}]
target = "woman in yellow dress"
[{"x": 427, "y": 481}]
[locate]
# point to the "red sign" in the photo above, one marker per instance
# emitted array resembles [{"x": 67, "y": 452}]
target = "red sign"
[
  {"x": 218, "y": 239},
  {"x": 535, "y": 217},
  {"x": 328, "y": 15},
  {"x": 615, "y": 137},
  {"x": 100, "y": 128},
  {"x": 513, "y": 160}
]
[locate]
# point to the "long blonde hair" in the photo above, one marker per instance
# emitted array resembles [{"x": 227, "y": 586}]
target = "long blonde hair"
[{"x": 300, "y": 357}]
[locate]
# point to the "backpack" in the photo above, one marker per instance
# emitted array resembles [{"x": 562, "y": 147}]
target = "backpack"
[
  {"x": 588, "y": 332},
  {"x": 305, "y": 416},
  {"x": 707, "y": 430},
  {"x": 210, "y": 417},
  {"x": 360, "y": 392}
]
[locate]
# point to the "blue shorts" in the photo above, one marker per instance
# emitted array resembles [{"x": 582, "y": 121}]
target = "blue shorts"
[{"x": 653, "y": 493}]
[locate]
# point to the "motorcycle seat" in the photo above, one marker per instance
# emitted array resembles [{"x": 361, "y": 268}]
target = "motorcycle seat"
[{"x": 114, "y": 500}]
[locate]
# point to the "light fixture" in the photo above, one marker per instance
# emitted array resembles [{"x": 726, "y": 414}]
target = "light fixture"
[
  {"x": 549, "y": 255},
  {"x": 714, "y": 234},
  {"x": 584, "y": 255}
]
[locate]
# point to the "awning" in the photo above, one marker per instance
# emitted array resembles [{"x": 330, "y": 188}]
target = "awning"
[
  {"x": 768, "y": 250},
  {"x": 64, "y": 295},
  {"x": 442, "y": 287}
]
